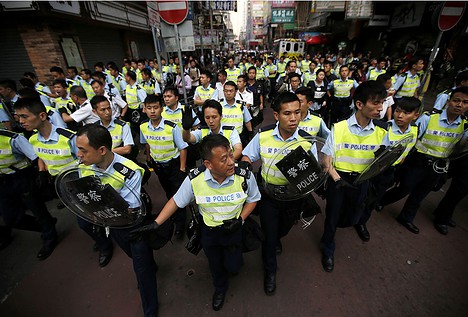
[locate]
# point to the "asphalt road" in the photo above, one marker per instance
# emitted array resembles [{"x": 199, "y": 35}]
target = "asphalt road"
[{"x": 396, "y": 273}]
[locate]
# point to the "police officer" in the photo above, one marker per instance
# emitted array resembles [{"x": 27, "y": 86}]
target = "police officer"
[
  {"x": 460, "y": 80},
  {"x": 94, "y": 145},
  {"x": 166, "y": 153},
  {"x": 122, "y": 141},
  {"x": 272, "y": 73},
  {"x": 117, "y": 78},
  {"x": 19, "y": 192},
  {"x": 42, "y": 89},
  {"x": 235, "y": 113},
  {"x": 135, "y": 96},
  {"x": 340, "y": 92},
  {"x": 438, "y": 133},
  {"x": 407, "y": 84},
  {"x": 213, "y": 113},
  {"x": 57, "y": 151},
  {"x": 204, "y": 91},
  {"x": 309, "y": 75},
  {"x": 281, "y": 66},
  {"x": 84, "y": 114},
  {"x": 225, "y": 195},
  {"x": 173, "y": 108},
  {"x": 232, "y": 71},
  {"x": 118, "y": 105},
  {"x": 86, "y": 82},
  {"x": 373, "y": 73},
  {"x": 57, "y": 73},
  {"x": 349, "y": 149},
  {"x": 310, "y": 121},
  {"x": 149, "y": 84},
  {"x": 257, "y": 90},
  {"x": 264, "y": 146}
]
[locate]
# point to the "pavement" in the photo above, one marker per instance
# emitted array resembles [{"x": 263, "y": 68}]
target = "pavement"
[{"x": 396, "y": 273}]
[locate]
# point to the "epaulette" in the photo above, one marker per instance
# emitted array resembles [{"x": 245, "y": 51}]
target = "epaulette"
[
  {"x": 268, "y": 127},
  {"x": 170, "y": 123},
  {"x": 196, "y": 171},
  {"x": 303, "y": 133},
  {"x": 312, "y": 112},
  {"x": 50, "y": 112},
  {"x": 65, "y": 133},
  {"x": 120, "y": 122},
  {"x": 111, "y": 85},
  {"x": 9, "y": 134},
  {"x": 124, "y": 170},
  {"x": 413, "y": 124},
  {"x": 228, "y": 127},
  {"x": 221, "y": 100},
  {"x": 242, "y": 172},
  {"x": 381, "y": 124},
  {"x": 435, "y": 111}
]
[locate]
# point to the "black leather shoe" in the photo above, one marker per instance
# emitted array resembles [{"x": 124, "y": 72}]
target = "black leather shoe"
[
  {"x": 328, "y": 263},
  {"x": 362, "y": 232},
  {"x": 441, "y": 228},
  {"x": 279, "y": 248},
  {"x": 269, "y": 284},
  {"x": 408, "y": 225},
  {"x": 104, "y": 258},
  {"x": 218, "y": 300},
  {"x": 46, "y": 251},
  {"x": 452, "y": 223}
]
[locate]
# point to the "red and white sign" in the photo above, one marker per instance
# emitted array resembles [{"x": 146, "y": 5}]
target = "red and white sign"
[
  {"x": 173, "y": 12},
  {"x": 450, "y": 15}
]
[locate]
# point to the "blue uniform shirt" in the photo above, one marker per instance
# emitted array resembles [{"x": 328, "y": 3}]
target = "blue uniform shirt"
[
  {"x": 179, "y": 109},
  {"x": 22, "y": 148},
  {"x": 56, "y": 119},
  {"x": 396, "y": 130},
  {"x": 185, "y": 196}
]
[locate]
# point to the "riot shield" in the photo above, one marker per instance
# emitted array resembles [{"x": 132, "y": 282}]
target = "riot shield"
[
  {"x": 384, "y": 159},
  {"x": 296, "y": 170},
  {"x": 459, "y": 150},
  {"x": 88, "y": 193}
]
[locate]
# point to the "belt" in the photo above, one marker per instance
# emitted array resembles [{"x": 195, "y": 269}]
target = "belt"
[
  {"x": 351, "y": 174},
  {"x": 168, "y": 163}
]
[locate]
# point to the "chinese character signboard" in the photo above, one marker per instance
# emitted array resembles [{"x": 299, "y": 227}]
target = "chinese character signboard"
[{"x": 282, "y": 15}]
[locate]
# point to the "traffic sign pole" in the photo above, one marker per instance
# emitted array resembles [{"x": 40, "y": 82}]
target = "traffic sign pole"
[{"x": 181, "y": 68}]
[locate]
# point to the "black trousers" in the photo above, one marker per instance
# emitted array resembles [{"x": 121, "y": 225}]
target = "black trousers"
[
  {"x": 344, "y": 208},
  {"x": 418, "y": 178},
  {"x": 457, "y": 191},
  {"x": 276, "y": 218},
  {"x": 340, "y": 109},
  {"x": 224, "y": 252},
  {"x": 171, "y": 177},
  {"x": 18, "y": 193}
]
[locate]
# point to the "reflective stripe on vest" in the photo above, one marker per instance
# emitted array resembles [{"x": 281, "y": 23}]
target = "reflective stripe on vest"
[
  {"x": 342, "y": 88},
  {"x": 438, "y": 141},
  {"x": 269, "y": 147},
  {"x": 260, "y": 73},
  {"x": 161, "y": 142},
  {"x": 218, "y": 204},
  {"x": 116, "y": 135},
  {"x": 232, "y": 74},
  {"x": 132, "y": 97},
  {"x": 409, "y": 87},
  {"x": 374, "y": 73},
  {"x": 56, "y": 156},
  {"x": 354, "y": 153},
  {"x": 393, "y": 138},
  {"x": 8, "y": 159},
  {"x": 233, "y": 116},
  {"x": 311, "y": 126}
]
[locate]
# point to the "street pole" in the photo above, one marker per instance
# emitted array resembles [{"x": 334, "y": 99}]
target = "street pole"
[
  {"x": 201, "y": 40},
  {"x": 432, "y": 57},
  {"x": 181, "y": 67},
  {"x": 156, "y": 50},
  {"x": 211, "y": 31}
]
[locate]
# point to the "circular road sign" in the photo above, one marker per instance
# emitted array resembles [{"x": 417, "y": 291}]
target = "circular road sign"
[
  {"x": 450, "y": 15},
  {"x": 173, "y": 12}
]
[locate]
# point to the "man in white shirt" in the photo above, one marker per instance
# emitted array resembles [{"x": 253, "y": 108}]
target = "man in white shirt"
[
  {"x": 222, "y": 78},
  {"x": 118, "y": 105},
  {"x": 84, "y": 113}
]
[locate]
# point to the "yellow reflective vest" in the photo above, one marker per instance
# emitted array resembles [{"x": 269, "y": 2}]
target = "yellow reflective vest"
[
  {"x": 9, "y": 163},
  {"x": 161, "y": 142}
]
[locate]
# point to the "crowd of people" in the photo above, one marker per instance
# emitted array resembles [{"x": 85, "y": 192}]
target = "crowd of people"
[{"x": 113, "y": 118}]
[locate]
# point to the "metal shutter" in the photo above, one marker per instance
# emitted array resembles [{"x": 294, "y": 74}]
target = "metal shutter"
[{"x": 14, "y": 58}]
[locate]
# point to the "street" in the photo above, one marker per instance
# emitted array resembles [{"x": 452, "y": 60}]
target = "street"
[{"x": 396, "y": 273}]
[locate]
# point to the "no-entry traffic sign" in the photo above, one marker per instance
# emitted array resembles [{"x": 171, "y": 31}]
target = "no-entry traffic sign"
[
  {"x": 450, "y": 15},
  {"x": 173, "y": 12}
]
